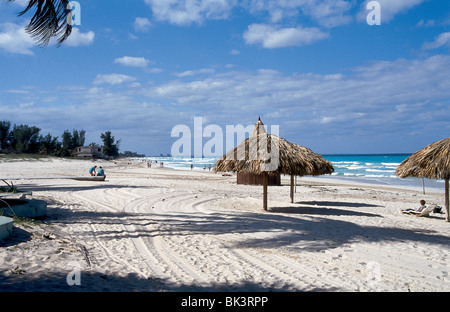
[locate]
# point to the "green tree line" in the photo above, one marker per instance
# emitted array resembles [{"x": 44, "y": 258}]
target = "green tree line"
[{"x": 29, "y": 140}]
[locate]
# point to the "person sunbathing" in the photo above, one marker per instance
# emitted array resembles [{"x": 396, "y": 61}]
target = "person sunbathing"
[
  {"x": 418, "y": 209},
  {"x": 421, "y": 211}
]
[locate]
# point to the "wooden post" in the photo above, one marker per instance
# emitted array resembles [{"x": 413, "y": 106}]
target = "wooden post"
[
  {"x": 292, "y": 188},
  {"x": 265, "y": 190},
  {"x": 447, "y": 201}
]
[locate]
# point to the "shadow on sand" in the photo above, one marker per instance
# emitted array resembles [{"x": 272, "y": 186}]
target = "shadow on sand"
[
  {"x": 285, "y": 227},
  {"x": 91, "y": 281},
  {"x": 315, "y": 233}
]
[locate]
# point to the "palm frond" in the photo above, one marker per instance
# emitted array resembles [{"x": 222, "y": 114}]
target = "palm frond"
[{"x": 49, "y": 20}]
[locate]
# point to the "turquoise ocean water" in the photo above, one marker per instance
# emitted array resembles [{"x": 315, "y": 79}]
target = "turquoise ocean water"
[{"x": 379, "y": 168}]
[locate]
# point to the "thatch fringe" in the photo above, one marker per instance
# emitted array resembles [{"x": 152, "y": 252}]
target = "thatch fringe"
[
  {"x": 432, "y": 162},
  {"x": 274, "y": 155}
]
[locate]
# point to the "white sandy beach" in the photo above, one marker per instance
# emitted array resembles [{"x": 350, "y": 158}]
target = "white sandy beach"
[{"x": 152, "y": 229}]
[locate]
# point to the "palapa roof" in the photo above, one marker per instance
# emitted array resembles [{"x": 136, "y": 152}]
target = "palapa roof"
[
  {"x": 292, "y": 159},
  {"x": 432, "y": 162},
  {"x": 259, "y": 128}
]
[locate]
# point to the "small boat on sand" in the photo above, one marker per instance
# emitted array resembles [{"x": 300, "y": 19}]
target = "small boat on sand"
[{"x": 89, "y": 178}]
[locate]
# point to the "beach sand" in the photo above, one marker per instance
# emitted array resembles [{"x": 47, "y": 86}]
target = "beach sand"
[{"x": 153, "y": 229}]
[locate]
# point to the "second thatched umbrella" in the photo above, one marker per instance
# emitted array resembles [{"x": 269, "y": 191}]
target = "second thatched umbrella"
[
  {"x": 268, "y": 154},
  {"x": 432, "y": 162}
]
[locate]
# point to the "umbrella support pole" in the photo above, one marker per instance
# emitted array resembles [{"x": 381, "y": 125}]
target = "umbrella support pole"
[
  {"x": 292, "y": 188},
  {"x": 265, "y": 190},
  {"x": 447, "y": 200}
]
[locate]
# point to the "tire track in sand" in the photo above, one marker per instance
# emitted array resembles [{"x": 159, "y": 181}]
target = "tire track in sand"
[
  {"x": 158, "y": 257},
  {"x": 284, "y": 271},
  {"x": 156, "y": 252},
  {"x": 181, "y": 245},
  {"x": 113, "y": 253},
  {"x": 272, "y": 270}
]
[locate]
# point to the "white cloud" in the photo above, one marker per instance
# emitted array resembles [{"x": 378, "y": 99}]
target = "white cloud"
[
  {"x": 340, "y": 118},
  {"x": 328, "y": 13},
  {"x": 18, "y": 91},
  {"x": 78, "y": 38},
  {"x": 113, "y": 79},
  {"x": 364, "y": 104},
  {"x": 276, "y": 37},
  {"x": 14, "y": 39},
  {"x": 132, "y": 61},
  {"x": 201, "y": 71},
  {"x": 142, "y": 24},
  {"x": 186, "y": 12},
  {"x": 429, "y": 23},
  {"x": 26, "y": 104},
  {"x": 441, "y": 40},
  {"x": 133, "y": 37},
  {"x": 22, "y": 3},
  {"x": 390, "y": 8},
  {"x": 154, "y": 70},
  {"x": 367, "y": 99}
]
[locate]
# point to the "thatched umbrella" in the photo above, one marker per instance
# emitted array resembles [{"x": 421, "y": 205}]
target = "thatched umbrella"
[
  {"x": 432, "y": 162},
  {"x": 252, "y": 178},
  {"x": 268, "y": 154}
]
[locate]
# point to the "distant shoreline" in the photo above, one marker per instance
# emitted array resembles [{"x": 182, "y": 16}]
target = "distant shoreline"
[{"x": 414, "y": 184}]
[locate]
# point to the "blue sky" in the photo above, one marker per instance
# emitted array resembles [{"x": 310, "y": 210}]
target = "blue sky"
[{"x": 316, "y": 68}]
